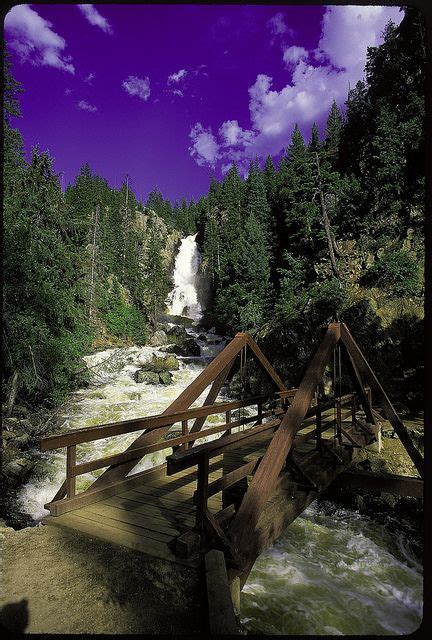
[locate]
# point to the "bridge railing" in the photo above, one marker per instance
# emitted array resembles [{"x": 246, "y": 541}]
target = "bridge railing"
[
  {"x": 201, "y": 455},
  {"x": 72, "y": 438}
]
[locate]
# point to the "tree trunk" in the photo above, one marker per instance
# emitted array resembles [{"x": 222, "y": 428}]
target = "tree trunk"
[
  {"x": 330, "y": 239},
  {"x": 12, "y": 395}
]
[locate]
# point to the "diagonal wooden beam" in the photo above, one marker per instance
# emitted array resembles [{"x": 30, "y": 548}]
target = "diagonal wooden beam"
[
  {"x": 118, "y": 472},
  {"x": 358, "y": 385},
  {"x": 212, "y": 395},
  {"x": 265, "y": 364},
  {"x": 242, "y": 528},
  {"x": 382, "y": 398}
]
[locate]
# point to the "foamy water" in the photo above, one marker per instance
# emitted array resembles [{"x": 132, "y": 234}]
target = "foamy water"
[{"x": 336, "y": 572}]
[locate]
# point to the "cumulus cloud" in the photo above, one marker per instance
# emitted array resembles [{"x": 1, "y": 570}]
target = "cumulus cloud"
[
  {"x": 178, "y": 93},
  {"x": 34, "y": 40},
  {"x": 232, "y": 134},
  {"x": 89, "y": 79},
  {"x": 204, "y": 147},
  {"x": 85, "y": 106},
  {"x": 137, "y": 87},
  {"x": 293, "y": 54},
  {"x": 94, "y": 17},
  {"x": 312, "y": 88},
  {"x": 176, "y": 77}
]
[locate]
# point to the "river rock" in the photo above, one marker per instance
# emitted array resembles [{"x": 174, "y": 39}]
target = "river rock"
[
  {"x": 188, "y": 349},
  {"x": 162, "y": 363},
  {"x": 165, "y": 377},
  {"x": 177, "y": 332},
  {"x": 146, "y": 377},
  {"x": 158, "y": 339}
]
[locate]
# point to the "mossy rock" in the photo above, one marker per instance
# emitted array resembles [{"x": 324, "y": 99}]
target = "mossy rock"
[
  {"x": 146, "y": 377},
  {"x": 165, "y": 377},
  {"x": 158, "y": 364}
]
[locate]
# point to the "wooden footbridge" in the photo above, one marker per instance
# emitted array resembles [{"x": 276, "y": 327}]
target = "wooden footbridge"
[{"x": 222, "y": 502}]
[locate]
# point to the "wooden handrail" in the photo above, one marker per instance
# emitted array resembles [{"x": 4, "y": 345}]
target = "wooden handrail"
[
  {"x": 149, "y": 423},
  {"x": 139, "y": 452},
  {"x": 184, "y": 459}
]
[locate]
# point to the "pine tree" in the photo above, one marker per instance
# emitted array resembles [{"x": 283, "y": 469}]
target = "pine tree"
[
  {"x": 333, "y": 134},
  {"x": 314, "y": 142}
]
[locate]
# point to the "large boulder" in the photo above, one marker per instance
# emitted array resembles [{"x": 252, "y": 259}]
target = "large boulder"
[
  {"x": 162, "y": 363},
  {"x": 146, "y": 377},
  {"x": 189, "y": 348},
  {"x": 165, "y": 377},
  {"x": 158, "y": 339},
  {"x": 177, "y": 334}
]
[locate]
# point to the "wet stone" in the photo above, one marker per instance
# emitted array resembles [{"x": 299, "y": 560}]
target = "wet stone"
[
  {"x": 146, "y": 377},
  {"x": 158, "y": 364},
  {"x": 165, "y": 377}
]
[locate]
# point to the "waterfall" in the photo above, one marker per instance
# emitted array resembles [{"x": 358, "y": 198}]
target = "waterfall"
[{"x": 183, "y": 299}]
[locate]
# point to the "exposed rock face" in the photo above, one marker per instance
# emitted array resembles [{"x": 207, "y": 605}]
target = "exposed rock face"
[{"x": 158, "y": 339}]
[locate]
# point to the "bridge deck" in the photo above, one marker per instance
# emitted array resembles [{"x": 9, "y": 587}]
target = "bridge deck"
[{"x": 149, "y": 518}]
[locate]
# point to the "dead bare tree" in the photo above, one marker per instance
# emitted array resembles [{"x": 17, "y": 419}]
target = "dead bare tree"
[{"x": 332, "y": 247}]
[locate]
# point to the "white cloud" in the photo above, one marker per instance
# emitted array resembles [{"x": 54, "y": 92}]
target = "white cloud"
[
  {"x": 137, "y": 87},
  {"x": 89, "y": 79},
  {"x": 176, "y": 77},
  {"x": 34, "y": 40},
  {"x": 68, "y": 92},
  {"x": 346, "y": 33},
  {"x": 277, "y": 24},
  {"x": 293, "y": 54},
  {"x": 94, "y": 17},
  {"x": 85, "y": 106},
  {"x": 204, "y": 147},
  {"x": 232, "y": 134},
  {"x": 177, "y": 92}
]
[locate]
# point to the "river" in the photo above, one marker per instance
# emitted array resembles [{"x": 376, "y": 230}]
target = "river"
[{"x": 333, "y": 571}]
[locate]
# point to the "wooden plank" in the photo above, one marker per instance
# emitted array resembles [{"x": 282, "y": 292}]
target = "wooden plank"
[
  {"x": 221, "y": 617},
  {"x": 155, "y": 511},
  {"x": 70, "y": 468},
  {"x": 212, "y": 394},
  {"x": 182, "y": 506},
  {"x": 69, "y": 504},
  {"x": 232, "y": 477},
  {"x": 114, "y": 514},
  {"x": 389, "y": 483},
  {"x": 265, "y": 364},
  {"x": 358, "y": 384},
  {"x": 114, "y": 535},
  {"x": 153, "y": 534},
  {"x": 382, "y": 398},
  {"x": 242, "y": 527}
]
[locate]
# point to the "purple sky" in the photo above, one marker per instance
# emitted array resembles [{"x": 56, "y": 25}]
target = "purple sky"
[{"x": 173, "y": 94}]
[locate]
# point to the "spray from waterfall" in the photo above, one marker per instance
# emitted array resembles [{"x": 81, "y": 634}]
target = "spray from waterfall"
[{"x": 183, "y": 299}]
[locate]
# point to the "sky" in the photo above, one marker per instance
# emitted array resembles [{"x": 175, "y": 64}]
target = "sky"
[{"x": 171, "y": 95}]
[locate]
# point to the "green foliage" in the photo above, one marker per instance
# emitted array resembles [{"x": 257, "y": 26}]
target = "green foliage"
[
  {"x": 396, "y": 272},
  {"x": 122, "y": 319}
]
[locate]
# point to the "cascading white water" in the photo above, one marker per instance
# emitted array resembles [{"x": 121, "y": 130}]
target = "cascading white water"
[{"x": 183, "y": 299}]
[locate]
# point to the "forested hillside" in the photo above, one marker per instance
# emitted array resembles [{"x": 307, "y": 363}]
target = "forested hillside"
[{"x": 334, "y": 231}]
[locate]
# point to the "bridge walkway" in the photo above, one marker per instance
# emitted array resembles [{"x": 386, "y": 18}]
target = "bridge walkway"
[{"x": 150, "y": 517}]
